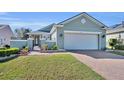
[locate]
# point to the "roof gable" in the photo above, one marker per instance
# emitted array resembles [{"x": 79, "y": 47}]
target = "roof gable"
[
  {"x": 117, "y": 28},
  {"x": 3, "y": 26},
  {"x": 85, "y": 15},
  {"x": 46, "y": 28},
  {"x": 6, "y": 29}
]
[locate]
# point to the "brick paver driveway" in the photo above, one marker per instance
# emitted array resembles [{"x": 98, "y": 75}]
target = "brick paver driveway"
[{"x": 110, "y": 66}]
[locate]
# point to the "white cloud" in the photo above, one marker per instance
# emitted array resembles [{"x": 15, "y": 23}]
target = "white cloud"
[
  {"x": 28, "y": 23},
  {"x": 9, "y": 19},
  {"x": 33, "y": 25},
  {"x": 18, "y": 24},
  {"x": 3, "y": 13}
]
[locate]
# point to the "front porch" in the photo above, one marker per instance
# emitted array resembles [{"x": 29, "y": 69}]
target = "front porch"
[
  {"x": 35, "y": 41},
  {"x": 38, "y": 37}
]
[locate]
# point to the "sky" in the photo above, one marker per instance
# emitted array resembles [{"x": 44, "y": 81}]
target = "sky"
[{"x": 37, "y": 20}]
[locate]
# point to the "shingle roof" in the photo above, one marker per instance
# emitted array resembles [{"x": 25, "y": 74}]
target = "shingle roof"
[
  {"x": 46, "y": 29},
  {"x": 116, "y": 26},
  {"x": 3, "y": 26}
]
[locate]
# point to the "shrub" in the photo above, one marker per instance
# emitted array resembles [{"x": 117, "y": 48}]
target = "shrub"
[
  {"x": 2, "y": 48},
  {"x": 26, "y": 48},
  {"x": 54, "y": 47},
  {"x": 113, "y": 42},
  {"x": 44, "y": 47},
  {"x": 7, "y": 46},
  {"x": 2, "y": 53},
  {"x": 119, "y": 47},
  {"x": 23, "y": 52},
  {"x": 14, "y": 50},
  {"x": 8, "y": 52}
]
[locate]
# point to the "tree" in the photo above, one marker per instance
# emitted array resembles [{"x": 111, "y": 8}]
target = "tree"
[
  {"x": 22, "y": 32},
  {"x": 113, "y": 43}
]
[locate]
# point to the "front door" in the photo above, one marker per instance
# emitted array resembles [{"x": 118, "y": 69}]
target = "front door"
[{"x": 36, "y": 40}]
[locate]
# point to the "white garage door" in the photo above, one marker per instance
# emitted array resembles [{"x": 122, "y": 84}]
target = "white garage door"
[{"x": 80, "y": 41}]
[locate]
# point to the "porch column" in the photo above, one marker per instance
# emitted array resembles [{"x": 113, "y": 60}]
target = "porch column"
[
  {"x": 99, "y": 41},
  {"x": 40, "y": 37},
  {"x": 30, "y": 43}
]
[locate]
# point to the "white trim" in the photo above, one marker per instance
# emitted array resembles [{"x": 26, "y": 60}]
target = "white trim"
[
  {"x": 71, "y": 19},
  {"x": 52, "y": 30},
  {"x": 54, "y": 27},
  {"x": 58, "y": 25},
  {"x": 81, "y": 32},
  {"x": 112, "y": 31},
  {"x": 84, "y": 15},
  {"x": 38, "y": 33},
  {"x": 18, "y": 40}
]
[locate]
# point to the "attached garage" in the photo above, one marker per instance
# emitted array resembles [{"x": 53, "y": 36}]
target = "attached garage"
[
  {"x": 81, "y": 41},
  {"x": 81, "y": 32}
]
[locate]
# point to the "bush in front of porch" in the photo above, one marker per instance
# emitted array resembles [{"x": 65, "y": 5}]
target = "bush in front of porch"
[{"x": 46, "y": 47}]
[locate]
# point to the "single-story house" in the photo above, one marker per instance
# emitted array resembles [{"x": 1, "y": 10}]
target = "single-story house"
[
  {"x": 116, "y": 32},
  {"x": 5, "y": 35},
  {"x": 80, "y": 32}
]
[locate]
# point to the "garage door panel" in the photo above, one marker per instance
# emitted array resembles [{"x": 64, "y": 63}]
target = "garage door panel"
[{"x": 80, "y": 41}]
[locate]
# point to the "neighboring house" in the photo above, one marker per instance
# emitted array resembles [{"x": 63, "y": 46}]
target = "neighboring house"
[
  {"x": 5, "y": 35},
  {"x": 81, "y": 32},
  {"x": 116, "y": 32}
]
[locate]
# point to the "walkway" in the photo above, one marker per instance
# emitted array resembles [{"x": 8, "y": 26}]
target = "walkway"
[
  {"x": 39, "y": 53},
  {"x": 36, "y": 48}
]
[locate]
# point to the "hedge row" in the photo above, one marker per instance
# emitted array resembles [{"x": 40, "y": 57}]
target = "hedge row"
[
  {"x": 119, "y": 47},
  {"x": 8, "y": 52},
  {"x": 2, "y": 48}
]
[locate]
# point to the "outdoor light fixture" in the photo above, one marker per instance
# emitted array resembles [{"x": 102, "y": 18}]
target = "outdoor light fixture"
[
  {"x": 103, "y": 36},
  {"x": 61, "y": 35}
]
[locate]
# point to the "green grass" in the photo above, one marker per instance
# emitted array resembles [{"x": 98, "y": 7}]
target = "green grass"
[
  {"x": 54, "y": 67},
  {"x": 118, "y": 53}
]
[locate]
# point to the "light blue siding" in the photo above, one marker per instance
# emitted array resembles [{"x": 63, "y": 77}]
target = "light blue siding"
[
  {"x": 18, "y": 43},
  {"x": 50, "y": 43},
  {"x": 30, "y": 44},
  {"x": 76, "y": 25}
]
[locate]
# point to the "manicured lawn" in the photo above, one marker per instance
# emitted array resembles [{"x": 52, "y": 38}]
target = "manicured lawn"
[{"x": 54, "y": 67}]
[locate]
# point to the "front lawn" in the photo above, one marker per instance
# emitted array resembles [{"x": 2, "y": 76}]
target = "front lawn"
[{"x": 53, "y": 67}]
